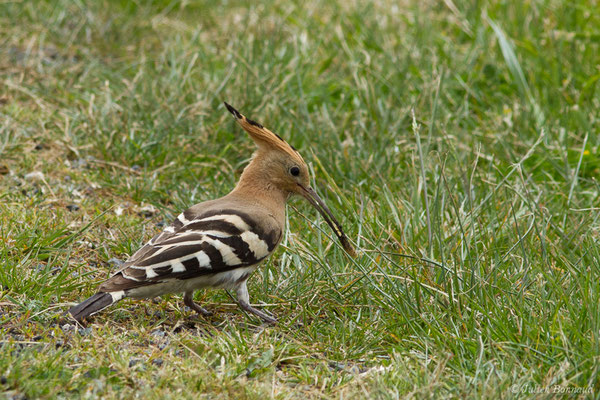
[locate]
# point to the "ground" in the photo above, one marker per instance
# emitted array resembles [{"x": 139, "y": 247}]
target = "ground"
[{"x": 457, "y": 142}]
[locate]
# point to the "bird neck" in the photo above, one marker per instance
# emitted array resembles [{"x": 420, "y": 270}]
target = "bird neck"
[{"x": 256, "y": 185}]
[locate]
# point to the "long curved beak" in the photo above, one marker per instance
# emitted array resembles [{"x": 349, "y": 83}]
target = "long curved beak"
[{"x": 313, "y": 198}]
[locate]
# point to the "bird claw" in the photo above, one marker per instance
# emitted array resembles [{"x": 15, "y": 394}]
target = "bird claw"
[
  {"x": 261, "y": 314},
  {"x": 200, "y": 310},
  {"x": 187, "y": 300}
]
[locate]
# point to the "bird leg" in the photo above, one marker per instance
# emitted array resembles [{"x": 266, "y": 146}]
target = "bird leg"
[
  {"x": 188, "y": 300},
  {"x": 244, "y": 302}
]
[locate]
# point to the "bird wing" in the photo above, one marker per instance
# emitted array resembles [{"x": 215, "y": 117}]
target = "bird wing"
[{"x": 194, "y": 245}]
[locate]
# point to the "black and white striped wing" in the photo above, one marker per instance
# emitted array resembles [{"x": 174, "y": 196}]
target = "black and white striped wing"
[{"x": 193, "y": 246}]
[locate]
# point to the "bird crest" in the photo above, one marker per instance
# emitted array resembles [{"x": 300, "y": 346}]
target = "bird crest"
[{"x": 263, "y": 137}]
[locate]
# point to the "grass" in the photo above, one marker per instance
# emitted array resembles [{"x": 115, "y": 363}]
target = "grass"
[{"x": 457, "y": 142}]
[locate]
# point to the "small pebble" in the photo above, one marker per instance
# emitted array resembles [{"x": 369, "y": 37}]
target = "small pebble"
[
  {"x": 133, "y": 362},
  {"x": 163, "y": 345},
  {"x": 115, "y": 262},
  {"x": 337, "y": 366},
  {"x": 79, "y": 163},
  {"x": 72, "y": 207},
  {"x": 158, "y": 333},
  {"x": 147, "y": 211},
  {"x": 84, "y": 331},
  {"x": 158, "y": 362},
  {"x": 34, "y": 176}
]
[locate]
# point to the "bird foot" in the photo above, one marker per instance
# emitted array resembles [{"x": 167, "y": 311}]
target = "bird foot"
[
  {"x": 261, "y": 314},
  {"x": 188, "y": 301}
]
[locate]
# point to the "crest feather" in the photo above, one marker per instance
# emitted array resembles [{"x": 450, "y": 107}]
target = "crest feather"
[{"x": 261, "y": 135}]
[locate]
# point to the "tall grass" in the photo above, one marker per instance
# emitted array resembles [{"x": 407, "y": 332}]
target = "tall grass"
[{"x": 457, "y": 142}]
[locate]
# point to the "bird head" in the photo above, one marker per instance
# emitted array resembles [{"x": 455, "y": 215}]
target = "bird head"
[{"x": 281, "y": 165}]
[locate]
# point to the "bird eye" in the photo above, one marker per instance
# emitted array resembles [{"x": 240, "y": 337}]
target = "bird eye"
[{"x": 295, "y": 171}]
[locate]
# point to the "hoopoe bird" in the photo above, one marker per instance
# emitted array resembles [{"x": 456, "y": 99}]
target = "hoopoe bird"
[{"x": 219, "y": 243}]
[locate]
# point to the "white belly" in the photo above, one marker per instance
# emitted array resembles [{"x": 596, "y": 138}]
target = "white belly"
[{"x": 226, "y": 280}]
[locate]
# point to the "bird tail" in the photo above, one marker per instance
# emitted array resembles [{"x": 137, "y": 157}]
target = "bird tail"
[{"x": 94, "y": 304}]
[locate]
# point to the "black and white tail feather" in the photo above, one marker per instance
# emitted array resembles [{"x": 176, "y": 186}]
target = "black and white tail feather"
[{"x": 94, "y": 304}]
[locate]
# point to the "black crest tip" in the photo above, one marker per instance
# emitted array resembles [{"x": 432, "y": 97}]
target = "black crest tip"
[
  {"x": 232, "y": 110},
  {"x": 251, "y": 122}
]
